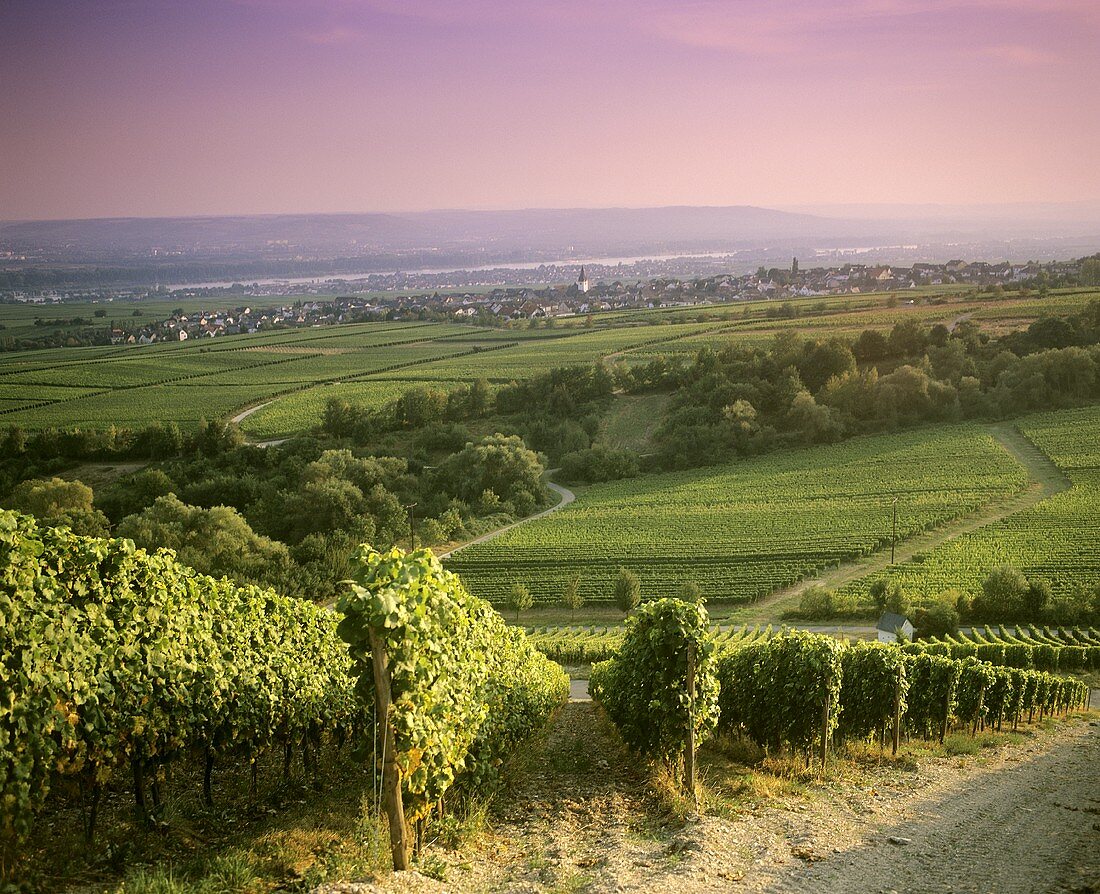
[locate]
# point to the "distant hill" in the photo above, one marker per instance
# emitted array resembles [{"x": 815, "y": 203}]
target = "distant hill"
[{"x": 538, "y": 230}]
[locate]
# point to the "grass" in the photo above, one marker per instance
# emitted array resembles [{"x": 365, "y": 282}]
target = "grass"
[
  {"x": 293, "y": 834},
  {"x": 632, "y": 419}
]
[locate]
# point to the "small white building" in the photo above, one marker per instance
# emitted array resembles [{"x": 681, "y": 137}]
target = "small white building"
[{"x": 891, "y": 624}]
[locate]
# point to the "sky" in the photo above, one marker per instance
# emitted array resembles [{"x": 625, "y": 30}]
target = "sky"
[{"x": 195, "y": 107}]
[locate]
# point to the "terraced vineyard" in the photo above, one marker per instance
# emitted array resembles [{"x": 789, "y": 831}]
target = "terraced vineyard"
[
  {"x": 1057, "y": 540},
  {"x": 744, "y": 529}
]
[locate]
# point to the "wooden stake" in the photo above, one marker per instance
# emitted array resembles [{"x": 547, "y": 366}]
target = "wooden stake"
[
  {"x": 391, "y": 774},
  {"x": 897, "y": 714},
  {"x": 825, "y": 725},
  {"x": 689, "y": 755}
]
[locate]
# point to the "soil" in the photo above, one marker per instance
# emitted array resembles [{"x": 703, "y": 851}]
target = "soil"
[{"x": 581, "y": 815}]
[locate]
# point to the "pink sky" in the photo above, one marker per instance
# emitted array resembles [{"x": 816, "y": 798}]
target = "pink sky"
[{"x": 174, "y": 107}]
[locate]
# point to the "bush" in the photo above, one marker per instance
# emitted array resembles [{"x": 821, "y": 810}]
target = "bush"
[
  {"x": 599, "y": 463},
  {"x": 819, "y": 603},
  {"x": 628, "y": 591},
  {"x": 937, "y": 618}
]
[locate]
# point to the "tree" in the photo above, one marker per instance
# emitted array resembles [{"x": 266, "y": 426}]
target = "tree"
[
  {"x": 1003, "y": 595},
  {"x": 216, "y": 541},
  {"x": 134, "y": 493},
  {"x": 571, "y": 596},
  {"x": 59, "y": 503},
  {"x": 937, "y": 618},
  {"x": 499, "y": 463},
  {"x": 520, "y": 599},
  {"x": 1035, "y": 599},
  {"x": 690, "y": 592},
  {"x": 628, "y": 591},
  {"x": 1090, "y": 272}
]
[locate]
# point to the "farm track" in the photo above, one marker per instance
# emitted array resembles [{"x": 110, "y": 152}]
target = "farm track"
[
  {"x": 1030, "y": 826},
  {"x": 240, "y": 417},
  {"x": 579, "y": 813},
  {"x": 566, "y": 497},
  {"x": 1046, "y": 480}
]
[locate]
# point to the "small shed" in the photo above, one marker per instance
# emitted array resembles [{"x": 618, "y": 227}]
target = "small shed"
[{"x": 890, "y": 624}]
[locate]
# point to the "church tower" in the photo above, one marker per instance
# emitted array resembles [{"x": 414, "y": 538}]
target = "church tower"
[{"x": 582, "y": 282}]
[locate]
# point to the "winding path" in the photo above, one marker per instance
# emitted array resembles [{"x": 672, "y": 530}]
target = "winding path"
[
  {"x": 567, "y": 497},
  {"x": 1046, "y": 481},
  {"x": 244, "y": 414}
]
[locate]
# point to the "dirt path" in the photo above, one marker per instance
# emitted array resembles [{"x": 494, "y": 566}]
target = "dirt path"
[
  {"x": 1031, "y": 824},
  {"x": 575, "y": 818},
  {"x": 961, "y": 318},
  {"x": 1046, "y": 481},
  {"x": 244, "y": 414},
  {"x": 567, "y": 496},
  {"x": 580, "y": 816}
]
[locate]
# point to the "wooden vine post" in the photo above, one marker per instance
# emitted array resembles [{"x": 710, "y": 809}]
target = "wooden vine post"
[
  {"x": 825, "y": 710},
  {"x": 978, "y": 713},
  {"x": 689, "y": 753},
  {"x": 391, "y": 773},
  {"x": 897, "y": 714}
]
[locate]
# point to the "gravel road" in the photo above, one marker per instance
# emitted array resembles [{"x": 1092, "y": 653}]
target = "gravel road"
[{"x": 1032, "y": 826}]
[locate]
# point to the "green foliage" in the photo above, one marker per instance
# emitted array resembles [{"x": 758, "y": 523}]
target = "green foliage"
[
  {"x": 628, "y": 591},
  {"x": 499, "y": 463},
  {"x": 464, "y": 686},
  {"x": 571, "y": 596},
  {"x": 1003, "y": 595},
  {"x": 519, "y": 599},
  {"x": 690, "y": 592},
  {"x": 938, "y": 617},
  {"x": 599, "y": 463},
  {"x": 818, "y": 603},
  {"x": 115, "y": 656},
  {"x": 933, "y": 684},
  {"x": 216, "y": 541},
  {"x": 644, "y": 687},
  {"x": 56, "y": 502},
  {"x": 872, "y": 675},
  {"x": 775, "y": 690}
]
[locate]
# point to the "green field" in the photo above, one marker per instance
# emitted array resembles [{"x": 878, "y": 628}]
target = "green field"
[
  {"x": 744, "y": 529},
  {"x": 1057, "y": 540},
  {"x": 369, "y": 363}
]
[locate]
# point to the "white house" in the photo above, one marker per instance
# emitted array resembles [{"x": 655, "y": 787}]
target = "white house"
[{"x": 890, "y": 624}]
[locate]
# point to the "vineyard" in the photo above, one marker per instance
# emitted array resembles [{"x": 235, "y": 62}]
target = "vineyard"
[
  {"x": 588, "y": 644},
  {"x": 800, "y": 691},
  {"x": 1057, "y": 540},
  {"x": 120, "y": 664},
  {"x": 742, "y": 530},
  {"x": 1043, "y": 648}
]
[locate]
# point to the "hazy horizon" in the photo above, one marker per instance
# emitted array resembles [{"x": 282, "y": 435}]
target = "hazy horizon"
[
  {"x": 232, "y": 107},
  {"x": 1087, "y": 211}
]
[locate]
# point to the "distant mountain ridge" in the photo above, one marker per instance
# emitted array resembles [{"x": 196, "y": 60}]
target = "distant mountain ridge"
[
  {"x": 304, "y": 244},
  {"x": 539, "y": 229}
]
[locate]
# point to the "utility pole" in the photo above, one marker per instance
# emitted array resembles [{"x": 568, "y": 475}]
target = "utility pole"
[{"x": 894, "y": 538}]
